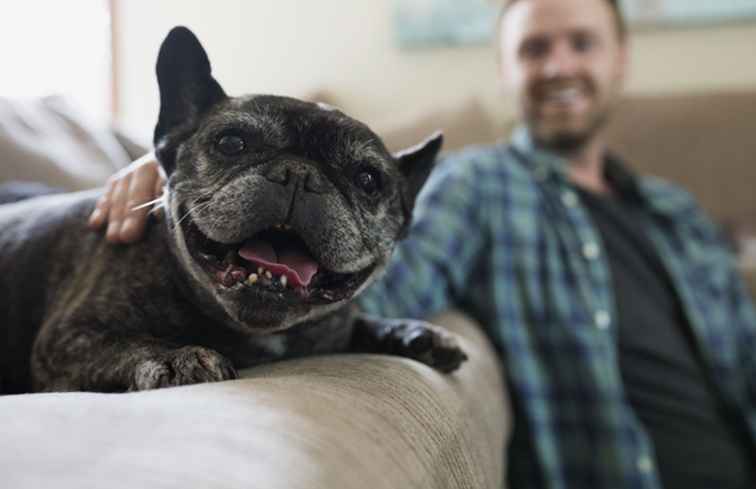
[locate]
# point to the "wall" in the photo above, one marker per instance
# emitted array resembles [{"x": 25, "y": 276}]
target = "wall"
[{"x": 295, "y": 47}]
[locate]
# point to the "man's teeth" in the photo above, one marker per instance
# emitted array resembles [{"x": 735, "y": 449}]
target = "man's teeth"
[{"x": 564, "y": 95}]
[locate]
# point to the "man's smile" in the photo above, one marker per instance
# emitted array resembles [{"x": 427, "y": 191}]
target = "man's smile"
[{"x": 563, "y": 100}]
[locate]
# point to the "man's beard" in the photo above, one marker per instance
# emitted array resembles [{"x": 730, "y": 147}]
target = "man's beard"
[{"x": 569, "y": 141}]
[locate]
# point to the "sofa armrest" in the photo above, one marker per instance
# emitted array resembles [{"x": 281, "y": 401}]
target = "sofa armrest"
[{"x": 343, "y": 421}]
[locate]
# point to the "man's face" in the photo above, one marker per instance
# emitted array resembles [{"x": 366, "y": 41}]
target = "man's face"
[{"x": 565, "y": 63}]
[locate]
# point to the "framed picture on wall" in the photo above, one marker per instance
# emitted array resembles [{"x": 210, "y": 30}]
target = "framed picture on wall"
[
  {"x": 686, "y": 13},
  {"x": 439, "y": 23}
]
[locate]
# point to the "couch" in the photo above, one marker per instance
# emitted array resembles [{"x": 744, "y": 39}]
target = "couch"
[
  {"x": 367, "y": 422},
  {"x": 348, "y": 421}
]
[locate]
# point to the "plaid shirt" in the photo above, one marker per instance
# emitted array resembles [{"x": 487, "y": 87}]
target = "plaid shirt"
[{"x": 500, "y": 233}]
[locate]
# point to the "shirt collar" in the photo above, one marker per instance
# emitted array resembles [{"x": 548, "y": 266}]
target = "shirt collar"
[
  {"x": 544, "y": 164},
  {"x": 547, "y": 165}
]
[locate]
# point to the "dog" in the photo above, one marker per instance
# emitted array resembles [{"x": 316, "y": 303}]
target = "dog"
[{"x": 278, "y": 212}]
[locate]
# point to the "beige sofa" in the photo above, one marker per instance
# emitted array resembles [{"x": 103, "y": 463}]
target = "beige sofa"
[
  {"x": 351, "y": 422},
  {"x": 365, "y": 422}
]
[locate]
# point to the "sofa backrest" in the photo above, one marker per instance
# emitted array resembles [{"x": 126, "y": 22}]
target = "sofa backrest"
[
  {"x": 47, "y": 140},
  {"x": 705, "y": 142}
]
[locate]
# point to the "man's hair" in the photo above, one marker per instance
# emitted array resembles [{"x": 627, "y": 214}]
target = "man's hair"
[{"x": 619, "y": 18}]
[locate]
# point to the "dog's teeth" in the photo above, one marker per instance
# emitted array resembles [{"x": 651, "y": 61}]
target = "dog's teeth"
[
  {"x": 283, "y": 280},
  {"x": 238, "y": 276},
  {"x": 252, "y": 279},
  {"x": 268, "y": 275}
]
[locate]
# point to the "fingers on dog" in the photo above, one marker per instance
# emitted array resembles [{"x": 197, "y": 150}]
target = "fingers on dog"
[
  {"x": 99, "y": 215},
  {"x": 117, "y": 212},
  {"x": 141, "y": 191}
]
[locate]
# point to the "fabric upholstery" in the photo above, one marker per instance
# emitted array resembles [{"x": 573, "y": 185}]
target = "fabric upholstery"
[
  {"x": 703, "y": 142},
  {"x": 462, "y": 125},
  {"x": 349, "y": 421},
  {"x": 46, "y": 140}
]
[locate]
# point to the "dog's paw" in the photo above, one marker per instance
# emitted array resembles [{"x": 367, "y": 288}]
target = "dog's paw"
[
  {"x": 429, "y": 344},
  {"x": 187, "y": 365}
]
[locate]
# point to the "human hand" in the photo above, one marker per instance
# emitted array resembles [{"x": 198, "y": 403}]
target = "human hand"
[{"x": 127, "y": 201}]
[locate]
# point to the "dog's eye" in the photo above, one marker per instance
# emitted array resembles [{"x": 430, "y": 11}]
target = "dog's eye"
[
  {"x": 231, "y": 145},
  {"x": 368, "y": 180}
]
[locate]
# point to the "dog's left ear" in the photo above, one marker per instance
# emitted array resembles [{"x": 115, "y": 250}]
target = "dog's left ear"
[
  {"x": 416, "y": 163},
  {"x": 187, "y": 89}
]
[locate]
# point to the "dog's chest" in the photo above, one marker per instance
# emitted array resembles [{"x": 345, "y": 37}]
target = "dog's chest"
[{"x": 330, "y": 335}]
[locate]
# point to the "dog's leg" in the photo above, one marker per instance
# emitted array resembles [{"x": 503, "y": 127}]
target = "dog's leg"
[
  {"x": 410, "y": 338},
  {"x": 86, "y": 357}
]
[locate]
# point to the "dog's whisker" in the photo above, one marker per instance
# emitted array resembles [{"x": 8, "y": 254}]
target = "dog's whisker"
[
  {"x": 196, "y": 208},
  {"x": 157, "y": 208},
  {"x": 147, "y": 204}
]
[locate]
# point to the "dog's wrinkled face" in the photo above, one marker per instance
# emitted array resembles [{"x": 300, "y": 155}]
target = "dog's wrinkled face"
[{"x": 279, "y": 210}]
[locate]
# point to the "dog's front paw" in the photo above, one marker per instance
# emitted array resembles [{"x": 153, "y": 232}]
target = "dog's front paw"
[
  {"x": 429, "y": 344},
  {"x": 421, "y": 341},
  {"x": 187, "y": 365}
]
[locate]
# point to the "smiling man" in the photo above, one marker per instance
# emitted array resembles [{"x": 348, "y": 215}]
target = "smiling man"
[{"x": 627, "y": 337}]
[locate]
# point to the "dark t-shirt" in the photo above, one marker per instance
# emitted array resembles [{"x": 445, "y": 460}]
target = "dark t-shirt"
[{"x": 698, "y": 442}]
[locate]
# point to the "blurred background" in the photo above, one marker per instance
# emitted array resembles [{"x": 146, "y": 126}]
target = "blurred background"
[
  {"x": 348, "y": 50},
  {"x": 102, "y": 52},
  {"x": 79, "y": 98}
]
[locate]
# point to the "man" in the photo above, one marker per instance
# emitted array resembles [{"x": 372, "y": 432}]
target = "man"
[{"x": 627, "y": 337}]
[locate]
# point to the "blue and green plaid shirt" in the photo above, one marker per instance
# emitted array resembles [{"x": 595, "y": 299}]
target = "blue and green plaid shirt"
[{"x": 500, "y": 233}]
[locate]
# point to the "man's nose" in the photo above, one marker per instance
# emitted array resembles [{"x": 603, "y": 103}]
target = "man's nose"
[{"x": 561, "y": 61}]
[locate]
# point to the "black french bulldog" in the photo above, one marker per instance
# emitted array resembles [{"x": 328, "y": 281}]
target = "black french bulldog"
[{"x": 278, "y": 212}]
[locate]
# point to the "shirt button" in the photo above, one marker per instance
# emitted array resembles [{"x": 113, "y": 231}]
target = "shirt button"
[
  {"x": 569, "y": 198},
  {"x": 590, "y": 250},
  {"x": 645, "y": 465},
  {"x": 602, "y": 319}
]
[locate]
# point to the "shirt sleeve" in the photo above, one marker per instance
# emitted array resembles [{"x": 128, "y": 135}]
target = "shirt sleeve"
[
  {"x": 745, "y": 317},
  {"x": 429, "y": 269}
]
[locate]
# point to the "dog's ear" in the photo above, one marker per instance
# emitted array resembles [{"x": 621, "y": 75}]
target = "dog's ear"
[
  {"x": 187, "y": 90},
  {"x": 415, "y": 164}
]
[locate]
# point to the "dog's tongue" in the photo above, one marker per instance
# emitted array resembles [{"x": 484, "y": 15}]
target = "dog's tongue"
[{"x": 291, "y": 261}]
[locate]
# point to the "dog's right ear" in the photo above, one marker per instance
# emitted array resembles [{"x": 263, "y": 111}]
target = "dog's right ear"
[{"x": 187, "y": 90}]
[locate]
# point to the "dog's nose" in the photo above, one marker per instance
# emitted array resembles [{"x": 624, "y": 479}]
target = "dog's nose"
[
  {"x": 278, "y": 174},
  {"x": 290, "y": 173}
]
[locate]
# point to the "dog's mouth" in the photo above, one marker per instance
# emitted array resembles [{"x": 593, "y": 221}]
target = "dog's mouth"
[{"x": 275, "y": 261}]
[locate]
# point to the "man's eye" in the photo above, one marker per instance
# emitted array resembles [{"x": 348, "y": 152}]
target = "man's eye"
[
  {"x": 231, "y": 145},
  {"x": 582, "y": 43},
  {"x": 534, "y": 49}
]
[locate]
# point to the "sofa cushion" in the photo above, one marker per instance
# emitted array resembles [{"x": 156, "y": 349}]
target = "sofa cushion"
[
  {"x": 45, "y": 140},
  {"x": 344, "y": 421},
  {"x": 463, "y": 124},
  {"x": 703, "y": 142}
]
